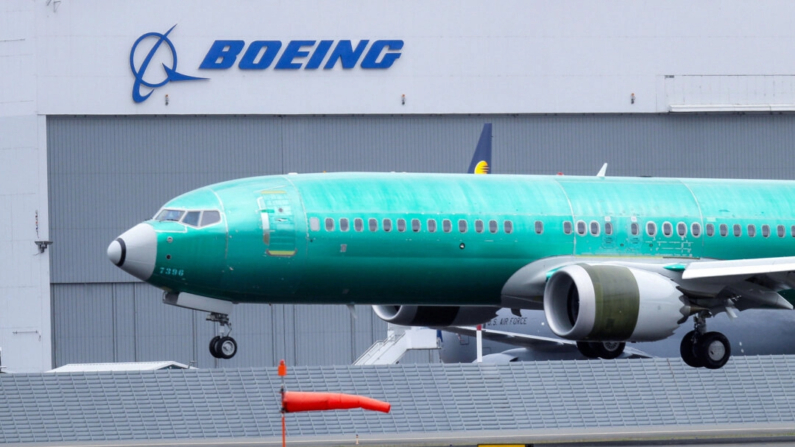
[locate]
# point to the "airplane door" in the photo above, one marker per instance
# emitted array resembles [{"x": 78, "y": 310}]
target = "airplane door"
[{"x": 278, "y": 223}]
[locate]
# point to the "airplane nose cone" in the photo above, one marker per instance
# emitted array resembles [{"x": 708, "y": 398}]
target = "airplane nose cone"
[
  {"x": 135, "y": 251},
  {"x": 115, "y": 251}
]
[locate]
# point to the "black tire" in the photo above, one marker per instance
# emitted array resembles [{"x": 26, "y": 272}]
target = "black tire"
[
  {"x": 213, "y": 351},
  {"x": 608, "y": 349},
  {"x": 714, "y": 350},
  {"x": 586, "y": 349},
  {"x": 226, "y": 347},
  {"x": 688, "y": 352}
]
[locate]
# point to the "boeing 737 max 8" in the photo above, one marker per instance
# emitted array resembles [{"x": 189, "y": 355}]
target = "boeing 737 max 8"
[{"x": 608, "y": 259}]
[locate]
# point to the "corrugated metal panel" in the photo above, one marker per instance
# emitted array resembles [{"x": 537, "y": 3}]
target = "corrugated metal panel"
[
  {"x": 556, "y": 395},
  {"x": 97, "y": 323},
  {"x": 108, "y": 173},
  {"x": 83, "y": 325}
]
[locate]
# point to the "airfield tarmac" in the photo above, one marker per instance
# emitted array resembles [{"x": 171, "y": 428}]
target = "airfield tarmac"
[{"x": 781, "y": 434}]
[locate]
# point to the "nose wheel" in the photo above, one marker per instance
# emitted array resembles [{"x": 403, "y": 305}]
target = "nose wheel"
[
  {"x": 222, "y": 346},
  {"x": 709, "y": 350}
]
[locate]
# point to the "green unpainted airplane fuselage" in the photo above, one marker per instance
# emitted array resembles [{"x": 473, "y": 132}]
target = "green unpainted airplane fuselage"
[{"x": 273, "y": 245}]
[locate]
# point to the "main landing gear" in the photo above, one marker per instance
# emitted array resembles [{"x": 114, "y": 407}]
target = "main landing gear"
[
  {"x": 222, "y": 346},
  {"x": 700, "y": 348},
  {"x": 601, "y": 349}
]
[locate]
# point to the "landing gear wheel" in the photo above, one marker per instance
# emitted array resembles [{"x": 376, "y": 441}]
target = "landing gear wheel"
[
  {"x": 714, "y": 350},
  {"x": 608, "y": 349},
  {"x": 213, "y": 351},
  {"x": 688, "y": 351},
  {"x": 226, "y": 347},
  {"x": 586, "y": 349}
]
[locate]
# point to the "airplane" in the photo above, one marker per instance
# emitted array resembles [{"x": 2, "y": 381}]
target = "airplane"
[
  {"x": 510, "y": 338},
  {"x": 610, "y": 260}
]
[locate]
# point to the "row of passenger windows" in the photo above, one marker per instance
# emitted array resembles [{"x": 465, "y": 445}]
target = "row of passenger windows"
[
  {"x": 681, "y": 229},
  {"x": 401, "y": 225},
  {"x": 507, "y": 226}
]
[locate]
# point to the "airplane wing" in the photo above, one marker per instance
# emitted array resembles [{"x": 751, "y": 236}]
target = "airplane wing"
[
  {"x": 739, "y": 267},
  {"x": 533, "y": 342},
  {"x": 513, "y": 338}
]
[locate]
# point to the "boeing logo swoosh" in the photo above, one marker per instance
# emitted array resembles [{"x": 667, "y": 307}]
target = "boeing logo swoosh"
[{"x": 171, "y": 72}]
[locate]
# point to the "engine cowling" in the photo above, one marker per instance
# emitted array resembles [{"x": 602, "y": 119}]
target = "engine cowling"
[
  {"x": 612, "y": 303},
  {"x": 438, "y": 316}
]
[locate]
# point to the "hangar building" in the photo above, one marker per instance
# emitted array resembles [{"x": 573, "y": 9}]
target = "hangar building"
[{"x": 109, "y": 109}]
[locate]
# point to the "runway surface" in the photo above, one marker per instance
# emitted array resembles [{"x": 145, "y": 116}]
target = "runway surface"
[{"x": 782, "y": 434}]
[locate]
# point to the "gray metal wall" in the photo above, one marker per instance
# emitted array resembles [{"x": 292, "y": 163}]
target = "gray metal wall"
[{"x": 108, "y": 173}]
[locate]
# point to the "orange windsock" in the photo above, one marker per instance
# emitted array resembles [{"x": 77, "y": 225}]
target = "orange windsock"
[{"x": 295, "y": 401}]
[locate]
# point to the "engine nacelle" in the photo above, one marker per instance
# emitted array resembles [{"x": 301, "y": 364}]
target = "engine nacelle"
[
  {"x": 438, "y": 316},
  {"x": 612, "y": 303}
]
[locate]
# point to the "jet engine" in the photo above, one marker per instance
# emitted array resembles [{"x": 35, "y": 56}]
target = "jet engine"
[
  {"x": 612, "y": 303},
  {"x": 437, "y": 316}
]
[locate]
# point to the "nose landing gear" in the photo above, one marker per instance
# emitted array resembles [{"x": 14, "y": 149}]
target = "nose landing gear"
[
  {"x": 700, "y": 348},
  {"x": 222, "y": 346}
]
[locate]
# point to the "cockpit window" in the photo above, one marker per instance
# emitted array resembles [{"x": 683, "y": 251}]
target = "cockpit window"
[
  {"x": 170, "y": 215},
  {"x": 210, "y": 217},
  {"x": 192, "y": 218}
]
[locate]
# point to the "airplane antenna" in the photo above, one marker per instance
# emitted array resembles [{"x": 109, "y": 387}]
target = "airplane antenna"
[{"x": 602, "y": 171}]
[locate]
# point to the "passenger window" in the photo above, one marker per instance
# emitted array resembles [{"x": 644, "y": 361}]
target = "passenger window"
[
  {"x": 401, "y": 225},
  {"x": 373, "y": 224},
  {"x": 710, "y": 230},
  {"x": 386, "y": 224},
  {"x": 539, "y": 227},
  {"x": 581, "y": 227},
  {"x": 415, "y": 225},
  {"x": 478, "y": 226},
  {"x": 751, "y": 230},
  {"x": 609, "y": 228},
  {"x": 765, "y": 230},
  {"x": 792, "y": 231},
  {"x": 329, "y": 224},
  {"x": 668, "y": 229},
  {"x": 432, "y": 225},
  {"x": 447, "y": 226},
  {"x": 567, "y": 227},
  {"x": 358, "y": 224},
  {"x": 651, "y": 229},
  {"x": 508, "y": 227},
  {"x": 781, "y": 231},
  {"x": 462, "y": 226},
  {"x": 634, "y": 229},
  {"x": 594, "y": 228},
  {"x": 724, "y": 230},
  {"x": 213, "y": 217},
  {"x": 681, "y": 229},
  {"x": 314, "y": 223},
  {"x": 492, "y": 226},
  {"x": 738, "y": 230},
  {"x": 192, "y": 218},
  {"x": 695, "y": 229},
  {"x": 345, "y": 224}
]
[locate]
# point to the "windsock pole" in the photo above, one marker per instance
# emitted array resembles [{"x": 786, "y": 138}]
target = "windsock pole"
[{"x": 282, "y": 374}]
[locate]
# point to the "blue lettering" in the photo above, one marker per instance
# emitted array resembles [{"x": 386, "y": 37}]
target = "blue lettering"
[
  {"x": 293, "y": 51},
  {"x": 371, "y": 59},
  {"x": 248, "y": 61},
  {"x": 319, "y": 54},
  {"x": 344, "y": 52},
  {"x": 222, "y": 54}
]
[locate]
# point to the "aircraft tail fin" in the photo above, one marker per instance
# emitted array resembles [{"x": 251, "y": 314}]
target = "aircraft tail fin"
[{"x": 481, "y": 161}]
